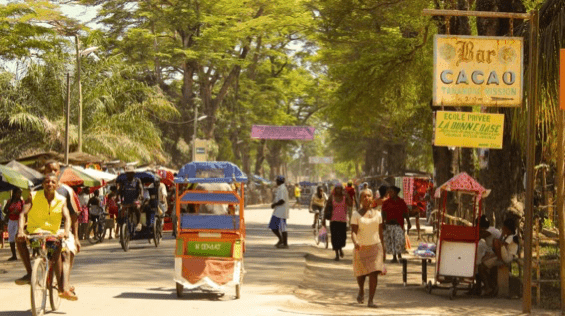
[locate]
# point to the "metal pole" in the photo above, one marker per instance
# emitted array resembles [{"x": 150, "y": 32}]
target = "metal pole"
[
  {"x": 559, "y": 177},
  {"x": 531, "y": 160},
  {"x": 194, "y": 134},
  {"x": 79, "y": 95},
  {"x": 67, "y": 118}
]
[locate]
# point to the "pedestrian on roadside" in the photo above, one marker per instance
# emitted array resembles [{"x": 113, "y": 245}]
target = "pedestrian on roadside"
[
  {"x": 369, "y": 252},
  {"x": 112, "y": 210},
  {"x": 297, "y": 196},
  {"x": 394, "y": 211},
  {"x": 83, "y": 198},
  {"x": 339, "y": 202},
  {"x": 280, "y": 213},
  {"x": 13, "y": 209},
  {"x": 352, "y": 195}
]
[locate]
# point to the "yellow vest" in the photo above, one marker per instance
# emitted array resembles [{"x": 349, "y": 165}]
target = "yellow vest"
[
  {"x": 297, "y": 191},
  {"x": 45, "y": 216}
]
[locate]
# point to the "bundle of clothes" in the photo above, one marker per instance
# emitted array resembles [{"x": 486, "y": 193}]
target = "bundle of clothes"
[{"x": 426, "y": 250}]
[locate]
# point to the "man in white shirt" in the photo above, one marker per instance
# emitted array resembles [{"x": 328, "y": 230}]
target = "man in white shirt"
[
  {"x": 162, "y": 194},
  {"x": 280, "y": 213}
]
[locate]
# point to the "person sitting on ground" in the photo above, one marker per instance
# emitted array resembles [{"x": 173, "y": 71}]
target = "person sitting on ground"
[
  {"x": 44, "y": 212},
  {"x": 504, "y": 250}
]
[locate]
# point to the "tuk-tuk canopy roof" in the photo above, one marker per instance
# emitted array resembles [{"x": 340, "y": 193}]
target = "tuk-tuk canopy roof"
[
  {"x": 210, "y": 172},
  {"x": 461, "y": 182},
  {"x": 145, "y": 177}
]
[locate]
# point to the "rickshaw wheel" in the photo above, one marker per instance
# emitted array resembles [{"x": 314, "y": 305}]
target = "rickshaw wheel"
[
  {"x": 452, "y": 293},
  {"x": 180, "y": 289},
  {"x": 124, "y": 236},
  {"x": 429, "y": 287}
]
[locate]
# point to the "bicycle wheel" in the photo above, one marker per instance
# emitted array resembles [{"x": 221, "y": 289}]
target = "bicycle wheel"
[
  {"x": 124, "y": 235},
  {"x": 157, "y": 230},
  {"x": 316, "y": 231},
  {"x": 53, "y": 286},
  {"x": 101, "y": 230},
  {"x": 92, "y": 234},
  {"x": 38, "y": 287}
]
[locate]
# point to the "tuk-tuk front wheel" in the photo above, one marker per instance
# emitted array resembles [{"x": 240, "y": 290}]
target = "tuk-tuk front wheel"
[{"x": 180, "y": 289}]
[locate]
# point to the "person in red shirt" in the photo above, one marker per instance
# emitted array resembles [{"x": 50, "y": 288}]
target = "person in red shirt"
[
  {"x": 13, "y": 209},
  {"x": 394, "y": 211},
  {"x": 351, "y": 192}
]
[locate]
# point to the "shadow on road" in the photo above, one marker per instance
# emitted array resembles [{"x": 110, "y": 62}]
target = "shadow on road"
[
  {"x": 170, "y": 294},
  {"x": 15, "y": 313}
]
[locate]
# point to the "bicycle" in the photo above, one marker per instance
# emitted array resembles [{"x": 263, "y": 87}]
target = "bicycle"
[
  {"x": 316, "y": 231},
  {"x": 97, "y": 229},
  {"x": 42, "y": 273}
]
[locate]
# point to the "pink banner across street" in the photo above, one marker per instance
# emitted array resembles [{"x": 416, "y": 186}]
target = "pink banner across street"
[{"x": 282, "y": 132}]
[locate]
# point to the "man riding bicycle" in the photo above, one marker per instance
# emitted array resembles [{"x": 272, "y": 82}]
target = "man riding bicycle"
[
  {"x": 131, "y": 191},
  {"x": 44, "y": 212}
]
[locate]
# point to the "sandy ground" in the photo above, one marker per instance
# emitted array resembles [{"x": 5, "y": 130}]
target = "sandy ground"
[{"x": 302, "y": 280}]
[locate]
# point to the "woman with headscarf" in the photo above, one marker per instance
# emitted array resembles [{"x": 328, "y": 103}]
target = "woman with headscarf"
[
  {"x": 369, "y": 252},
  {"x": 13, "y": 209},
  {"x": 338, "y": 222},
  {"x": 394, "y": 212},
  {"x": 317, "y": 203}
]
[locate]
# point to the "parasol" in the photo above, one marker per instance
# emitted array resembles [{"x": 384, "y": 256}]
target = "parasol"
[
  {"x": 32, "y": 175},
  {"x": 10, "y": 178},
  {"x": 75, "y": 177},
  {"x": 166, "y": 176}
]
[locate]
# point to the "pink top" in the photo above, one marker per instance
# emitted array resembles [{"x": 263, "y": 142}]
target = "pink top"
[{"x": 339, "y": 213}]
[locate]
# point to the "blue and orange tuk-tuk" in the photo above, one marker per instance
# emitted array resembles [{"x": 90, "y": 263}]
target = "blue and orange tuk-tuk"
[{"x": 210, "y": 246}]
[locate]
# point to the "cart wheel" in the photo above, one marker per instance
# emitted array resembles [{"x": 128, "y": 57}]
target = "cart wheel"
[
  {"x": 237, "y": 291},
  {"x": 452, "y": 293},
  {"x": 429, "y": 287},
  {"x": 180, "y": 288}
]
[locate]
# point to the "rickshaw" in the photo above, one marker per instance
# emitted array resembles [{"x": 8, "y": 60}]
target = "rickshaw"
[
  {"x": 152, "y": 222},
  {"x": 209, "y": 247},
  {"x": 456, "y": 252}
]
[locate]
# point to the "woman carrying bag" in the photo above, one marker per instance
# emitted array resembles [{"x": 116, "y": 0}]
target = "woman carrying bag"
[{"x": 336, "y": 213}]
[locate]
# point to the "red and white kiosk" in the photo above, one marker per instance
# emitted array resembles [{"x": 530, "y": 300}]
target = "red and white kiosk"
[{"x": 457, "y": 244}]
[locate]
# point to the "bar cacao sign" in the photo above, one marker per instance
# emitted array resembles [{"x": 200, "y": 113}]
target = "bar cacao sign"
[{"x": 475, "y": 70}]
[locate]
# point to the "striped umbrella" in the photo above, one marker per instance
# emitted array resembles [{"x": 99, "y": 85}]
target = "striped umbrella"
[{"x": 75, "y": 177}]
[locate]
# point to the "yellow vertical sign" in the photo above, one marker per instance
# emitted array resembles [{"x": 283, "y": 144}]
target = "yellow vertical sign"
[
  {"x": 201, "y": 147},
  {"x": 467, "y": 129}
]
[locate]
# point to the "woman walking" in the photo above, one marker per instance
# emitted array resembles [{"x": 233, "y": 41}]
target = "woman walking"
[
  {"x": 369, "y": 252},
  {"x": 13, "y": 209},
  {"x": 317, "y": 203},
  {"x": 338, "y": 221},
  {"x": 394, "y": 211}
]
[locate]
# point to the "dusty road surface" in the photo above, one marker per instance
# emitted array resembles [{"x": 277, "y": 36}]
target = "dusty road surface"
[{"x": 302, "y": 280}]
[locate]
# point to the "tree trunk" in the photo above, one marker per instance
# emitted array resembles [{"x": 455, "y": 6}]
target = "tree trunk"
[
  {"x": 260, "y": 157},
  {"x": 504, "y": 174}
]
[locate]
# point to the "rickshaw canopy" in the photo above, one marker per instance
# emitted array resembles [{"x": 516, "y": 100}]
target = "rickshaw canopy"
[
  {"x": 210, "y": 172},
  {"x": 145, "y": 177},
  {"x": 462, "y": 183}
]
